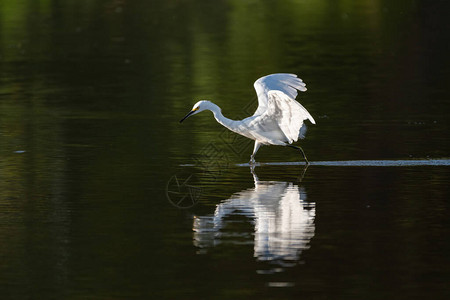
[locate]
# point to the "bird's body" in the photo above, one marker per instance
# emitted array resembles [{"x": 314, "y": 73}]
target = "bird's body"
[{"x": 278, "y": 119}]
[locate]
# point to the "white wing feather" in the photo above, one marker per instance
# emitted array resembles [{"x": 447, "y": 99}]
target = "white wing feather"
[
  {"x": 286, "y": 83},
  {"x": 279, "y": 118},
  {"x": 288, "y": 113}
]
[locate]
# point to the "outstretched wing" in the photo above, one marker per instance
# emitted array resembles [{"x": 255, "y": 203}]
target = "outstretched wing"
[
  {"x": 286, "y": 83},
  {"x": 288, "y": 114}
]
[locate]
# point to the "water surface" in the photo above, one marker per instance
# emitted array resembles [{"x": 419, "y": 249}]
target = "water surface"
[{"x": 104, "y": 195}]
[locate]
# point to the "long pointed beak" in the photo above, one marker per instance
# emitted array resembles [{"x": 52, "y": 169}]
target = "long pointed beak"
[{"x": 187, "y": 116}]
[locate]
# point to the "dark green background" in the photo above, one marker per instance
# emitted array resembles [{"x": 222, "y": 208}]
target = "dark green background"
[{"x": 91, "y": 93}]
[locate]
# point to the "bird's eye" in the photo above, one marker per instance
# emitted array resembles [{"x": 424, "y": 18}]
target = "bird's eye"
[{"x": 195, "y": 109}]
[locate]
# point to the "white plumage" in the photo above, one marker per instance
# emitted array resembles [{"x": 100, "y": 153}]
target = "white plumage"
[
  {"x": 282, "y": 218},
  {"x": 278, "y": 120}
]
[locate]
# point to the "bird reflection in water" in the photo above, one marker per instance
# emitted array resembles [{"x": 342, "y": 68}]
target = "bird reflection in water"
[{"x": 282, "y": 218}]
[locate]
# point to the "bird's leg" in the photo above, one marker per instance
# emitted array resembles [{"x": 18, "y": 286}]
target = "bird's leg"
[
  {"x": 301, "y": 150},
  {"x": 255, "y": 149},
  {"x": 300, "y": 178},
  {"x": 255, "y": 177},
  {"x": 252, "y": 168}
]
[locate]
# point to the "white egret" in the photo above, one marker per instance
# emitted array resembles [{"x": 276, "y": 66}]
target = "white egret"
[
  {"x": 282, "y": 218},
  {"x": 278, "y": 120}
]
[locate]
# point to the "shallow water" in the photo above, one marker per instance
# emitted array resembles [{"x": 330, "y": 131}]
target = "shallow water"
[
  {"x": 104, "y": 195},
  {"x": 352, "y": 163}
]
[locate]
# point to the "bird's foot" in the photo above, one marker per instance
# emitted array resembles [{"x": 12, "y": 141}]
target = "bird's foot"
[{"x": 252, "y": 160}]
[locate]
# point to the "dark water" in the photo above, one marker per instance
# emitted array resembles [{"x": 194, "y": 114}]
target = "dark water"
[{"x": 104, "y": 195}]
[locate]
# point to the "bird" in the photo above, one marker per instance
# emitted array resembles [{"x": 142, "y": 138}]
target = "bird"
[
  {"x": 279, "y": 118},
  {"x": 283, "y": 221}
]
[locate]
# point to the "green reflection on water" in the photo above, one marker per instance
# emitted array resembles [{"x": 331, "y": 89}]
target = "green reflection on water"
[{"x": 90, "y": 97}]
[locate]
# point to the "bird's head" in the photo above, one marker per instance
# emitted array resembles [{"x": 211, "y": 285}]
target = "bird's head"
[{"x": 198, "y": 107}]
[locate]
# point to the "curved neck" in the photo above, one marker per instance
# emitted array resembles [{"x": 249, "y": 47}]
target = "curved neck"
[{"x": 228, "y": 123}]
